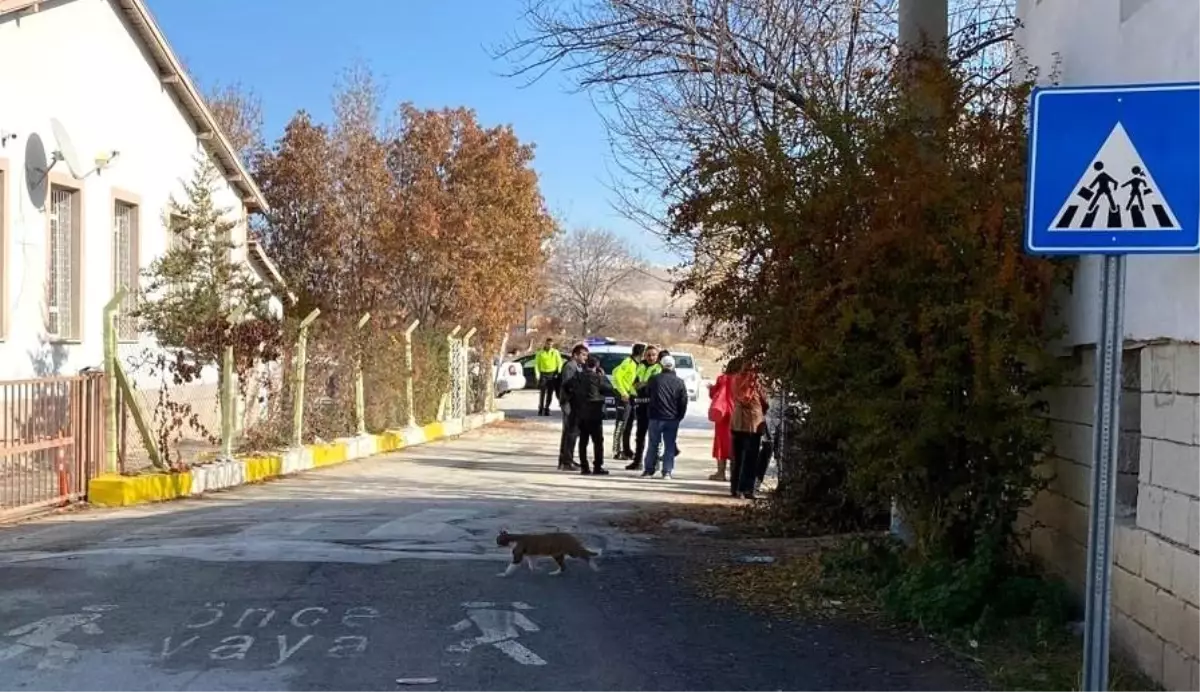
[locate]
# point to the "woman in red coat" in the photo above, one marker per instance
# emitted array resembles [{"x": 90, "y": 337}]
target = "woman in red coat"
[{"x": 720, "y": 408}]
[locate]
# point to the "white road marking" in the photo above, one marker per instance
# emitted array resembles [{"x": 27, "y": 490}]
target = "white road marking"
[
  {"x": 429, "y": 522},
  {"x": 519, "y": 653},
  {"x": 499, "y": 629},
  {"x": 290, "y": 529},
  {"x": 42, "y": 635}
]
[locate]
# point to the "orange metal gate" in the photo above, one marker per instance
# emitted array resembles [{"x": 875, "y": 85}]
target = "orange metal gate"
[{"x": 51, "y": 441}]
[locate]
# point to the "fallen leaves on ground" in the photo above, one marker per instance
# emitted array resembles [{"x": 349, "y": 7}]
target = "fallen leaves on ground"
[
  {"x": 792, "y": 586},
  {"x": 732, "y": 519}
]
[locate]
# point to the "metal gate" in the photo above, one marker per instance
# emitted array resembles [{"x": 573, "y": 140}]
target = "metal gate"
[{"x": 51, "y": 441}]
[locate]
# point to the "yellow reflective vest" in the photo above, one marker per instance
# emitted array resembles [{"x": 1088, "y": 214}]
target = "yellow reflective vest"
[
  {"x": 547, "y": 361},
  {"x": 625, "y": 376}
]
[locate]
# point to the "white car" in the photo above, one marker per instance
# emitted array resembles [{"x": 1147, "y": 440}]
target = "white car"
[
  {"x": 685, "y": 367},
  {"x": 509, "y": 377}
]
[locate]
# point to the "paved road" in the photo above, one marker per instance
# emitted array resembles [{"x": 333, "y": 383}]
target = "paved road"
[{"x": 354, "y": 576}]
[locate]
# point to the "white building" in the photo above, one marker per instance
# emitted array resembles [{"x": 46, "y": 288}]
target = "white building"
[
  {"x": 1157, "y": 573},
  {"x": 104, "y": 70}
]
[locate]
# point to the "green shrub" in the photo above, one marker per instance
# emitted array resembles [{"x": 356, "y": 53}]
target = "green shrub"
[{"x": 985, "y": 596}]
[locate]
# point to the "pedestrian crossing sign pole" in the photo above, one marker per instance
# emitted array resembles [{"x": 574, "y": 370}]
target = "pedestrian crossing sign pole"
[{"x": 1113, "y": 171}]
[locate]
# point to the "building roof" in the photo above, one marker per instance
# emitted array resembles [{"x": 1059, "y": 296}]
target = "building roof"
[{"x": 176, "y": 79}]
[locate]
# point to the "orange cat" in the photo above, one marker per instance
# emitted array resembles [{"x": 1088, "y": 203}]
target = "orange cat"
[{"x": 556, "y": 545}]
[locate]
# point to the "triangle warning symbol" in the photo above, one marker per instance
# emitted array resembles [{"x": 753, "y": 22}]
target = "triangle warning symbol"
[{"x": 1116, "y": 193}]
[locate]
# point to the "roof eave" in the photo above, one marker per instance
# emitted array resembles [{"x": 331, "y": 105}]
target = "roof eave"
[
  {"x": 258, "y": 254},
  {"x": 175, "y": 77}
]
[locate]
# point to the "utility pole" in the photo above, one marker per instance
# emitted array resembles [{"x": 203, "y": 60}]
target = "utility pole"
[
  {"x": 923, "y": 34},
  {"x": 924, "y": 24}
]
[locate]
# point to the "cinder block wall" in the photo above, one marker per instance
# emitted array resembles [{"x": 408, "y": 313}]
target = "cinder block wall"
[{"x": 1156, "y": 578}]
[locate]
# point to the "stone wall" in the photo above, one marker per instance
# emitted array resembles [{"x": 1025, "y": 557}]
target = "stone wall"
[{"x": 1157, "y": 543}]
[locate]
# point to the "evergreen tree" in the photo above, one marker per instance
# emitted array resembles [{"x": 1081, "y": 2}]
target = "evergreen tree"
[{"x": 193, "y": 290}]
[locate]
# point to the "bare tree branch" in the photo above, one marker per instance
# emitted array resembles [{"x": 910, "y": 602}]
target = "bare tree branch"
[{"x": 586, "y": 271}]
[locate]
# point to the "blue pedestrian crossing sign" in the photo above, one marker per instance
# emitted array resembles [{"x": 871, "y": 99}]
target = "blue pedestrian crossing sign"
[{"x": 1114, "y": 170}]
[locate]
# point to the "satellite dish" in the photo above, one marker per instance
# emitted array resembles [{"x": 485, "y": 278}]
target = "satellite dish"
[
  {"x": 36, "y": 170},
  {"x": 66, "y": 149}
]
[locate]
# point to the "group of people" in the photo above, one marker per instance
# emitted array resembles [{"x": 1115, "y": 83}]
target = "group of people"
[
  {"x": 741, "y": 441},
  {"x": 651, "y": 400}
]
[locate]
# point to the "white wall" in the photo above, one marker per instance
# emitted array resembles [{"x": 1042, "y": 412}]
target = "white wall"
[
  {"x": 1123, "y": 42},
  {"x": 78, "y": 62}
]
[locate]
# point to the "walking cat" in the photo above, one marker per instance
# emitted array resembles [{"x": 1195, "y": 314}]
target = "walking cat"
[{"x": 533, "y": 545}]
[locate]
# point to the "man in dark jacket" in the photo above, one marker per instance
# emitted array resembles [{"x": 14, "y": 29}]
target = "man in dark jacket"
[
  {"x": 667, "y": 405},
  {"x": 570, "y": 430},
  {"x": 586, "y": 393}
]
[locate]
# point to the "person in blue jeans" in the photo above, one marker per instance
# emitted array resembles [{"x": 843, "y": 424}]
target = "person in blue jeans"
[{"x": 667, "y": 405}]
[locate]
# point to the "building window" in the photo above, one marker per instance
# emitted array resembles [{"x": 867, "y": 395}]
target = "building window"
[
  {"x": 125, "y": 266},
  {"x": 62, "y": 286},
  {"x": 175, "y": 234}
]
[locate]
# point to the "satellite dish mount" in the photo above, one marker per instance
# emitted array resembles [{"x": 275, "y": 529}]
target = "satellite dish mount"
[{"x": 66, "y": 153}]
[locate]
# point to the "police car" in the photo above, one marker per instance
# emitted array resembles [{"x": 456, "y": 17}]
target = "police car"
[{"x": 610, "y": 353}]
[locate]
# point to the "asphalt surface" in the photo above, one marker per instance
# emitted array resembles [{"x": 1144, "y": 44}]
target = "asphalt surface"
[{"x": 359, "y": 575}]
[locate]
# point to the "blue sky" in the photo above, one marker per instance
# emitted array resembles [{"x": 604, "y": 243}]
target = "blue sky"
[{"x": 433, "y": 53}]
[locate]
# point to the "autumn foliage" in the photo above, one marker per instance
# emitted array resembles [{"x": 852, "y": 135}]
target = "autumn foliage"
[
  {"x": 431, "y": 215},
  {"x": 880, "y": 275},
  {"x": 403, "y": 214}
]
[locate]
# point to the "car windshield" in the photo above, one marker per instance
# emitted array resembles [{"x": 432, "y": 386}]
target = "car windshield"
[
  {"x": 685, "y": 362},
  {"x": 609, "y": 361}
]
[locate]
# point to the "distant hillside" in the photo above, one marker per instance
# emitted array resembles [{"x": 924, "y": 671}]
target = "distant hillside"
[{"x": 644, "y": 310}]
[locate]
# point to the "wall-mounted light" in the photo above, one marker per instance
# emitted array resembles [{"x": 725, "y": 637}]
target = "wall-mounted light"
[{"x": 105, "y": 158}]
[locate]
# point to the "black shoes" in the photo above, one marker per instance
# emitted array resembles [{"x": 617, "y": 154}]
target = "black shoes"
[
  {"x": 600, "y": 472},
  {"x": 635, "y": 466},
  {"x": 568, "y": 467},
  {"x": 585, "y": 471}
]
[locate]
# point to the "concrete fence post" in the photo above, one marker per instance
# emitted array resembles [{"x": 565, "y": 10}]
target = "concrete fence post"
[
  {"x": 408, "y": 372},
  {"x": 110, "y": 380},
  {"x": 360, "y": 399},
  {"x": 298, "y": 378},
  {"x": 228, "y": 392}
]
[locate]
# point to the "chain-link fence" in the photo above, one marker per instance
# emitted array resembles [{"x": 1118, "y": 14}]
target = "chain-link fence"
[
  {"x": 183, "y": 418},
  {"x": 362, "y": 375},
  {"x": 345, "y": 362}
]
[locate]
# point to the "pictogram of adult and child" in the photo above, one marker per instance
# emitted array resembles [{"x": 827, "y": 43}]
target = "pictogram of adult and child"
[{"x": 1105, "y": 185}]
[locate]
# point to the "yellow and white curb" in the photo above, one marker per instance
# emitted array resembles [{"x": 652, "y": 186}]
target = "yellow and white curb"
[{"x": 113, "y": 490}]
